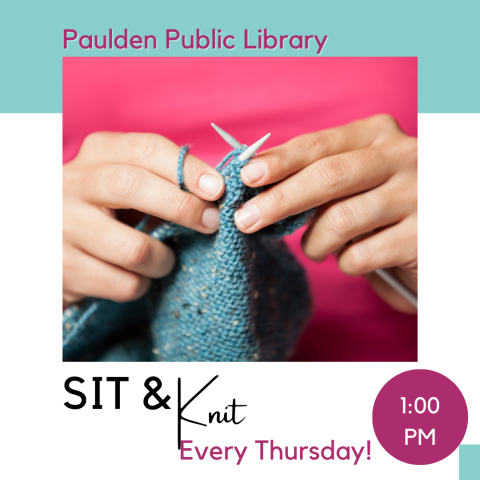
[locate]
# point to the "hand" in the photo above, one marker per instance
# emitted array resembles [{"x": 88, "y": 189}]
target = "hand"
[
  {"x": 105, "y": 258},
  {"x": 363, "y": 179}
]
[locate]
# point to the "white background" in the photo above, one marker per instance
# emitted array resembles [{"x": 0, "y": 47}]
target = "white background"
[{"x": 294, "y": 404}]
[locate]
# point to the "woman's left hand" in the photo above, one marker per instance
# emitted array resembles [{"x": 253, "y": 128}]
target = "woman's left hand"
[{"x": 363, "y": 179}]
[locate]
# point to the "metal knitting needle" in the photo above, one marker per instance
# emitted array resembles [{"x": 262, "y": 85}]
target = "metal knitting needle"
[
  {"x": 382, "y": 273},
  {"x": 250, "y": 151},
  {"x": 233, "y": 142},
  {"x": 398, "y": 286},
  {"x": 227, "y": 137}
]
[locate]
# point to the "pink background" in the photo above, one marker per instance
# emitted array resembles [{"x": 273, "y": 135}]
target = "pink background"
[{"x": 249, "y": 97}]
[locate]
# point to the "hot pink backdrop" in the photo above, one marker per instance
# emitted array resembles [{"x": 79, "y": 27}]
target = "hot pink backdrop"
[{"x": 249, "y": 97}]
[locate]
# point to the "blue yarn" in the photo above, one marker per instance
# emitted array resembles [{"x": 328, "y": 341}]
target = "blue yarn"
[
  {"x": 181, "y": 158},
  {"x": 230, "y": 297}
]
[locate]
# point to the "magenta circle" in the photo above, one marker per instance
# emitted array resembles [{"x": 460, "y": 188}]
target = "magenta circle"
[{"x": 392, "y": 426}]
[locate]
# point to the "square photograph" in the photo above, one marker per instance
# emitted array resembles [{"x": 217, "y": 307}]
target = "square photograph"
[{"x": 240, "y": 209}]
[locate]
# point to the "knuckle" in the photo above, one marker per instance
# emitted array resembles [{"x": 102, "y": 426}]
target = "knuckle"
[
  {"x": 315, "y": 145},
  {"x": 357, "y": 261},
  {"x": 130, "y": 288},
  {"x": 283, "y": 158},
  {"x": 183, "y": 206},
  {"x": 331, "y": 172},
  {"x": 122, "y": 181},
  {"x": 141, "y": 146},
  {"x": 341, "y": 220},
  {"x": 278, "y": 199},
  {"x": 386, "y": 120},
  {"x": 319, "y": 143},
  {"x": 92, "y": 140},
  {"x": 137, "y": 252}
]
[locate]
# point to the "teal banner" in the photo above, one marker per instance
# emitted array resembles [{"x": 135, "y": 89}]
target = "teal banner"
[{"x": 443, "y": 35}]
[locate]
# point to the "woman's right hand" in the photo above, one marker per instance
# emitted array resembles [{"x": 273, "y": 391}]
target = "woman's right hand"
[{"x": 105, "y": 258}]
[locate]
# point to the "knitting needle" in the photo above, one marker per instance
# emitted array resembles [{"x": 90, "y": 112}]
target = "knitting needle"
[
  {"x": 249, "y": 152},
  {"x": 398, "y": 286},
  {"x": 227, "y": 137},
  {"x": 382, "y": 273}
]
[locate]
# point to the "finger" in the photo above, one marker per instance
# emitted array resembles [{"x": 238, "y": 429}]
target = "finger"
[
  {"x": 348, "y": 218},
  {"x": 126, "y": 186},
  {"x": 85, "y": 276},
  {"x": 156, "y": 154},
  {"x": 280, "y": 162},
  {"x": 69, "y": 298},
  {"x": 114, "y": 242},
  {"x": 394, "y": 246},
  {"x": 325, "y": 180}
]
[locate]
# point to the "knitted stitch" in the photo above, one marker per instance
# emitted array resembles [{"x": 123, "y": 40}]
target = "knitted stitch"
[{"x": 230, "y": 297}]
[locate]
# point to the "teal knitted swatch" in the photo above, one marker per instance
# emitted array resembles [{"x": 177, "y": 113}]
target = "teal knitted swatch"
[{"x": 230, "y": 297}]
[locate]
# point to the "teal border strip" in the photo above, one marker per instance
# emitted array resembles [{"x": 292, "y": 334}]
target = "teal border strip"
[
  {"x": 443, "y": 35},
  {"x": 469, "y": 462}
]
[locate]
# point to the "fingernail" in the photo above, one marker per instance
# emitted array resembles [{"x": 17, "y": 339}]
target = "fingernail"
[
  {"x": 210, "y": 185},
  {"x": 211, "y": 218},
  {"x": 253, "y": 172},
  {"x": 247, "y": 216}
]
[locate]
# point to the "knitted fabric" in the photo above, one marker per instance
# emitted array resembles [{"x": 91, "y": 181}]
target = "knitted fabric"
[{"x": 230, "y": 297}]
